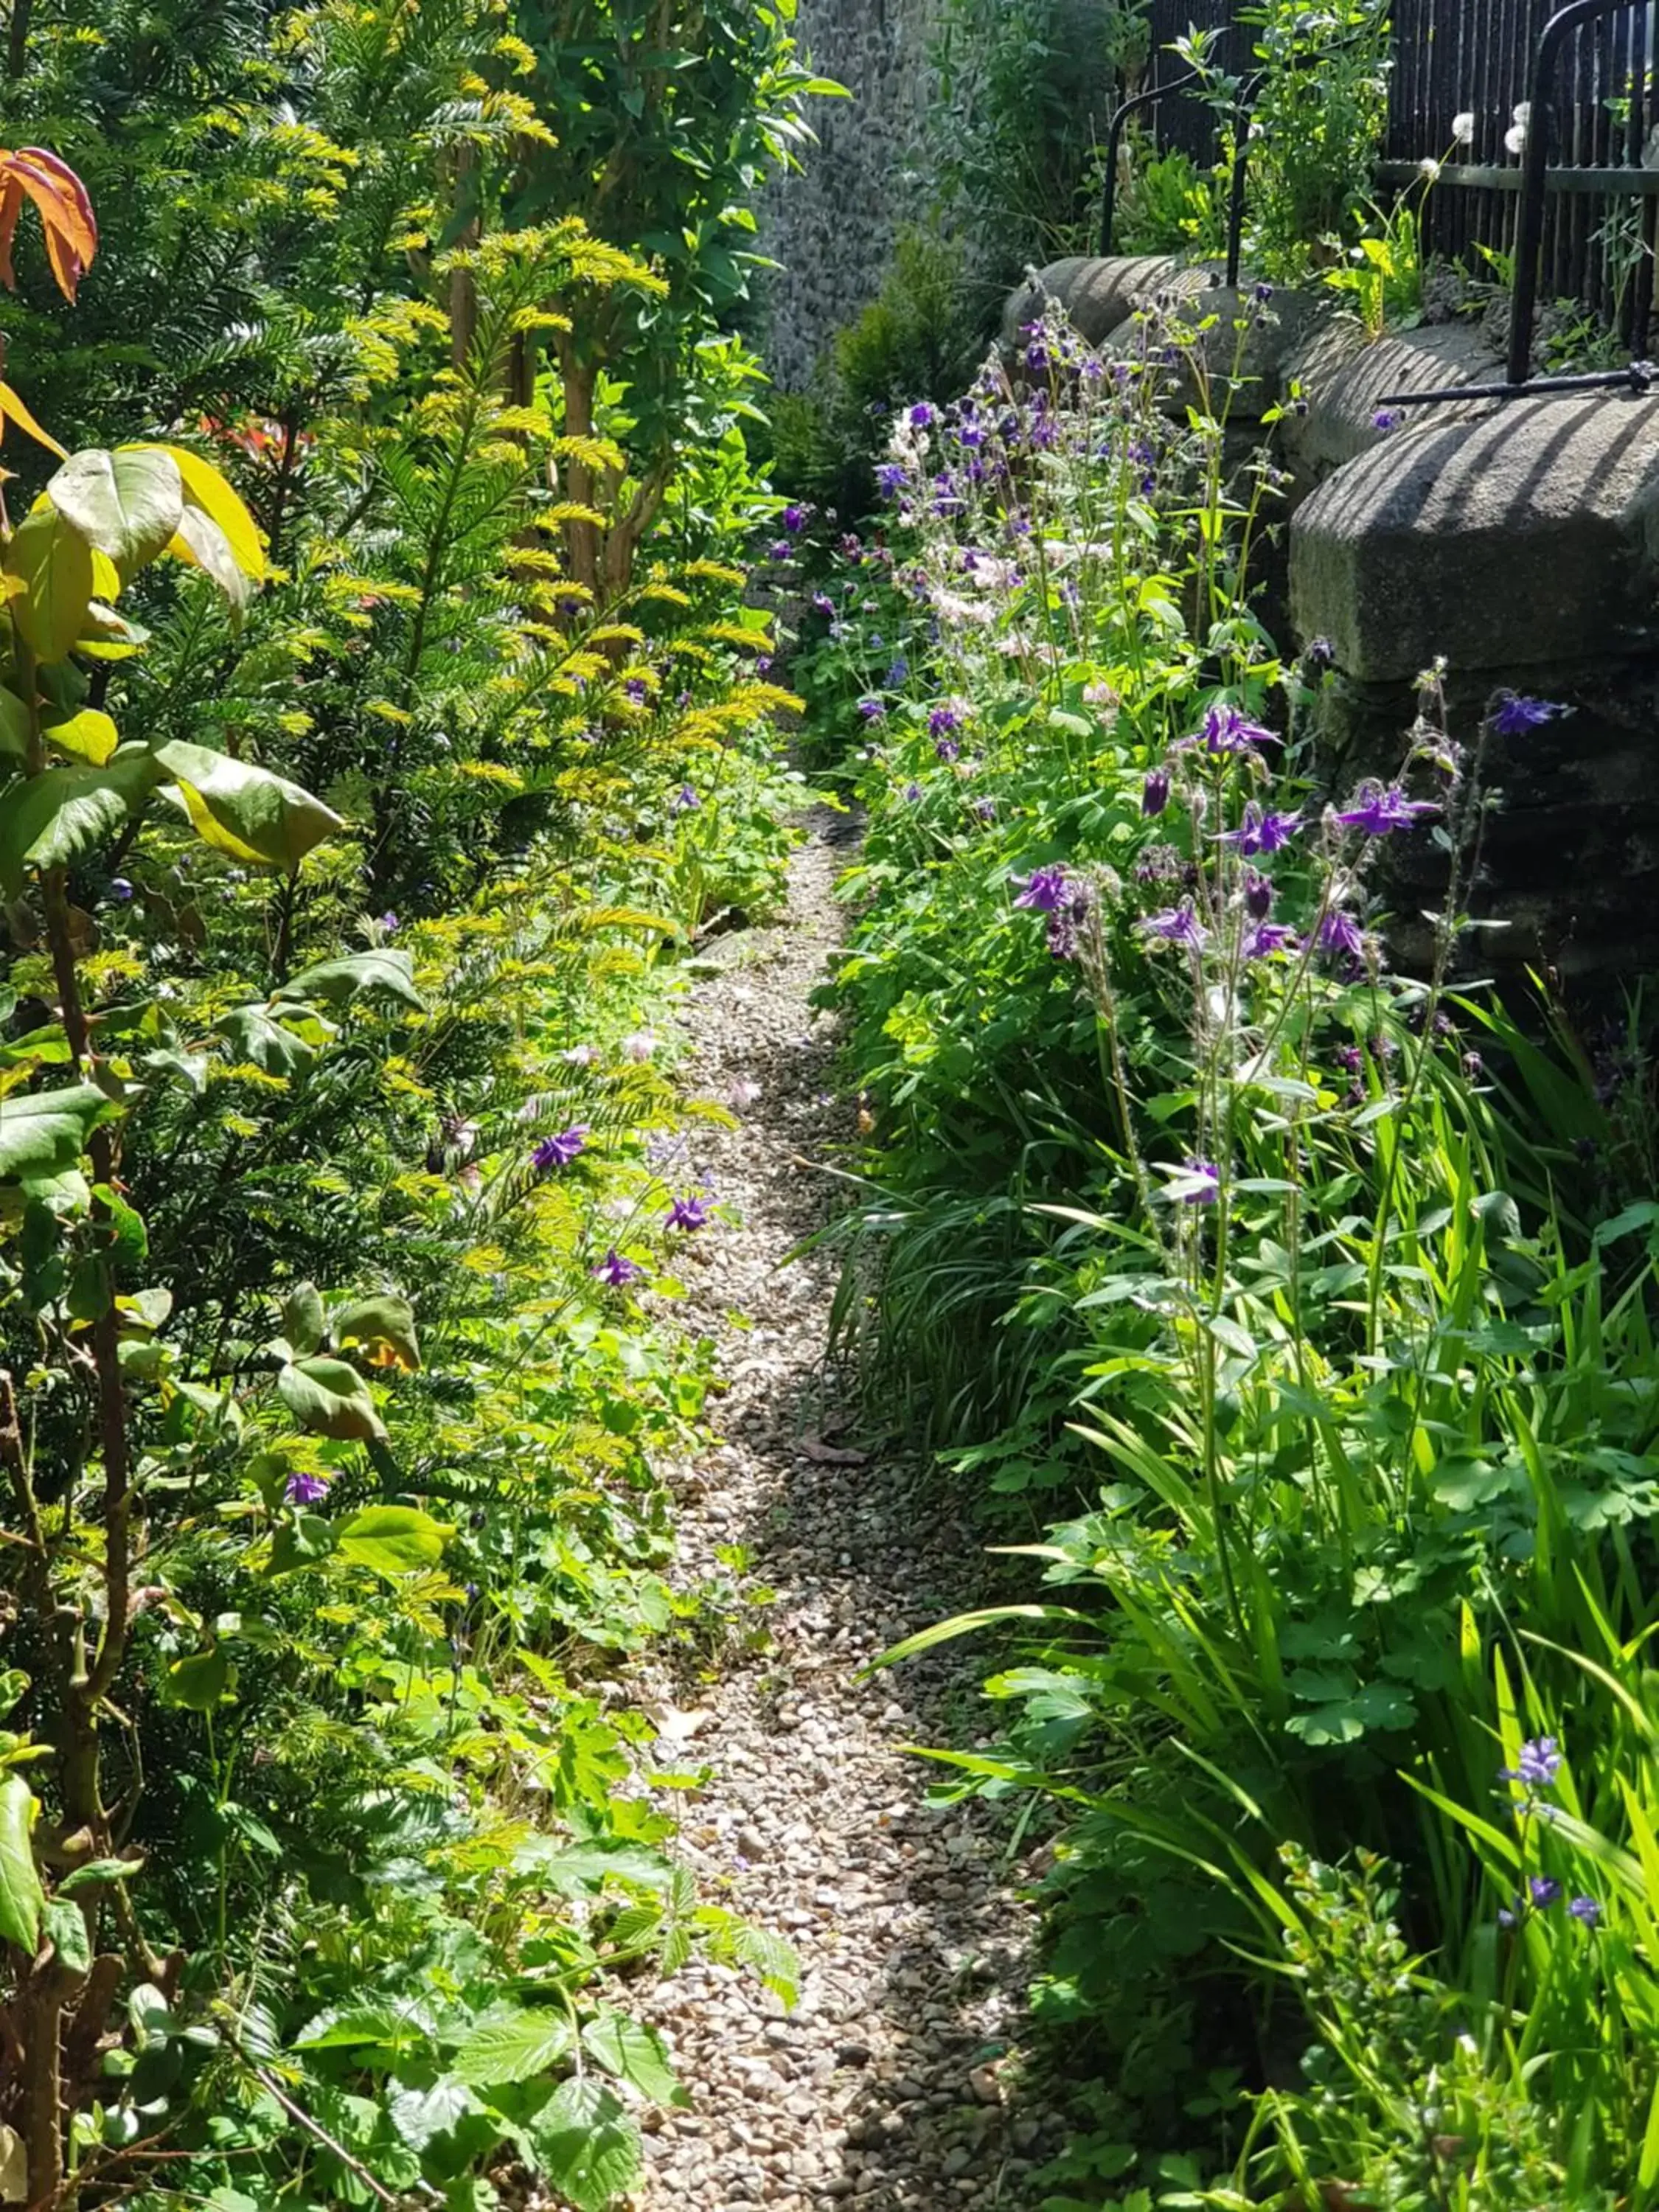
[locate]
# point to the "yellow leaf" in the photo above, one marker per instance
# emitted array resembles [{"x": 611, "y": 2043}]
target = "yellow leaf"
[
  {"x": 13, "y": 409},
  {"x": 206, "y": 488},
  {"x": 89, "y": 735}
]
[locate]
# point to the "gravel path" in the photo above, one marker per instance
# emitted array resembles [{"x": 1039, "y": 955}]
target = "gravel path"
[{"x": 894, "y": 2080}]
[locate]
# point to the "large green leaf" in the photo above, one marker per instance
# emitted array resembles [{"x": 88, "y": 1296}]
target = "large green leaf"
[
  {"x": 254, "y": 1038},
  {"x": 394, "y": 1540},
  {"x": 22, "y": 1900},
  {"x": 45, "y": 1133},
  {"x": 512, "y": 2045},
  {"x": 244, "y": 810},
  {"x": 200, "y": 1682},
  {"x": 636, "y": 2054},
  {"x": 384, "y": 1327},
  {"x": 53, "y": 564},
  {"x": 330, "y": 1398},
  {"x": 127, "y": 504},
  {"x": 49, "y": 820},
  {"x": 586, "y": 2144},
  {"x": 206, "y": 488},
  {"x": 335, "y": 981}
]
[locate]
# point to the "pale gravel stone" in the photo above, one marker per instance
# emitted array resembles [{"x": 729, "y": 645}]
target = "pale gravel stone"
[{"x": 814, "y": 1823}]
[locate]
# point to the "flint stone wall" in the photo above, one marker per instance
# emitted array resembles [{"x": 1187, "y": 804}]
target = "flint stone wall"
[
  {"x": 1520, "y": 541},
  {"x": 831, "y": 228}
]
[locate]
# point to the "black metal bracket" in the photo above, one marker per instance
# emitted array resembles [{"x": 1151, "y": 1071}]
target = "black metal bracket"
[{"x": 1120, "y": 115}]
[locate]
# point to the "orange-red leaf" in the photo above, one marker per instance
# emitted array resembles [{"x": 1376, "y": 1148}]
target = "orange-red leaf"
[{"x": 65, "y": 212}]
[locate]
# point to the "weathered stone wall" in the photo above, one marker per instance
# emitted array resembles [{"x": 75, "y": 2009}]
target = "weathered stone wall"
[{"x": 832, "y": 226}]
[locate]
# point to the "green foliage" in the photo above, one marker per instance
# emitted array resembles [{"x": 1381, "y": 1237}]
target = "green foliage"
[{"x": 1310, "y": 1307}]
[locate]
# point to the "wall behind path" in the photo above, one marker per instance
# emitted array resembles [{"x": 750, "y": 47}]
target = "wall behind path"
[{"x": 832, "y": 228}]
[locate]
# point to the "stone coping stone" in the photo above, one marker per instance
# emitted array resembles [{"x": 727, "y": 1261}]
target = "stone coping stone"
[
  {"x": 1099, "y": 295},
  {"x": 1528, "y": 536},
  {"x": 1345, "y": 376}
]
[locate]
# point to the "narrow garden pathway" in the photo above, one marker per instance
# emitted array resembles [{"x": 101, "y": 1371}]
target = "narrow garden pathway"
[{"x": 888, "y": 2085}]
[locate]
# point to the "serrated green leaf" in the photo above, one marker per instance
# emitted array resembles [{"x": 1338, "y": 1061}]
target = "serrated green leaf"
[
  {"x": 636, "y": 2054},
  {"x": 586, "y": 2144},
  {"x": 514, "y": 2045}
]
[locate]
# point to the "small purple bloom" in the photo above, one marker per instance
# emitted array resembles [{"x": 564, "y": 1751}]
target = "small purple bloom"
[
  {"x": 1537, "y": 1764},
  {"x": 388, "y": 921},
  {"x": 781, "y": 550},
  {"x": 684, "y": 800},
  {"x": 942, "y": 721},
  {"x": 1177, "y": 925},
  {"x": 986, "y": 809},
  {"x": 121, "y": 888},
  {"x": 1203, "y": 1182},
  {"x": 1543, "y": 1889},
  {"x": 1047, "y": 890},
  {"x": 1261, "y": 294},
  {"x": 890, "y": 478},
  {"x": 559, "y": 1151},
  {"x": 637, "y": 690},
  {"x": 793, "y": 519},
  {"x": 1585, "y": 1910},
  {"x": 1260, "y": 833},
  {"x": 1378, "y": 811},
  {"x": 822, "y": 604},
  {"x": 1320, "y": 655},
  {"x": 1155, "y": 792},
  {"x": 923, "y": 416},
  {"x": 1512, "y": 716},
  {"x": 913, "y": 792},
  {"x": 1387, "y": 418},
  {"x": 1226, "y": 732},
  {"x": 1258, "y": 895},
  {"x": 687, "y": 1213},
  {"x": 1339, "y": 933},
  {"x": 1266, "y": 938},
  {"x": 947, "y": 749},
  {"x": 896, "y": 674},
  {"x": 872, "y": 709},
  {"x": 305, "y": 1490},
  {"x": 617, "y": 1271}
]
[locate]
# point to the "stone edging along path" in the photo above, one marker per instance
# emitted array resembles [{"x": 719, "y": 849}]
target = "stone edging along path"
[{"x": 890, "y": 2084}]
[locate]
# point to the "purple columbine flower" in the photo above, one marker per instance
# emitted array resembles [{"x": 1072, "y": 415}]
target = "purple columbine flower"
[
  {"x": 305, "y": 1490},
  {"x": 1203, "y": 1180},
  {"x": 559, "y": 1151},
  {"x": 1378, "y": 809},
  {"x": 1155, "y": 792},
  {"x": 913, "y": 792},
  {"x": 986, "y": 809},
  {"x": 1543, "y": 1889},
  {"x": 1047, "y": 890},
  {"x": 1226, "y": 732},
  {"x": 1269, "y": 937},
  {"x": 947, "y": 749},
  {"x": 822, "y": 604},
  {"x": 1258, "y": 895},
  {"x": 388, "y": 923},
  {"x": 1585, "y": 1910},
  {"x": 872, "y": 709},
  {"x": 637, "y": 690},
  {"x": 1339, "y": 933},
  {"x": 684, "y": 800},
  {"x": 943, "y": 720},
  {"x": 1387, "y": 418},
  {"x": 1261, "y": 294},
  {"x": 1537, "y": 1764},
  {"x": 890, "y": 478},
  {"x": 897, "y": 674},
  {"x": 923, "y": 416},
  {"x": 780, "y": 549},
  {"x": 1259, "y": 834},
  {"x": 1319, "y": 655},
  {"x": 793, "y": 519},
  {"x": 1177, "y": 925},
  {"x": 1512, "y": 716},
  {"x": 687, "y": 1213},
  {"x": 616, "y": 1271}
]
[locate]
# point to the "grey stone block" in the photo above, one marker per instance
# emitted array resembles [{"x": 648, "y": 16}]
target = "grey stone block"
[
  {"x": 1529, "y": 536},
  {"x": 1344, "y": 378}
]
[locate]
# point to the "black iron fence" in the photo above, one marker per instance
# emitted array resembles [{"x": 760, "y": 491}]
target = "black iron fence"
[{"x": 1460, "y": 92}]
